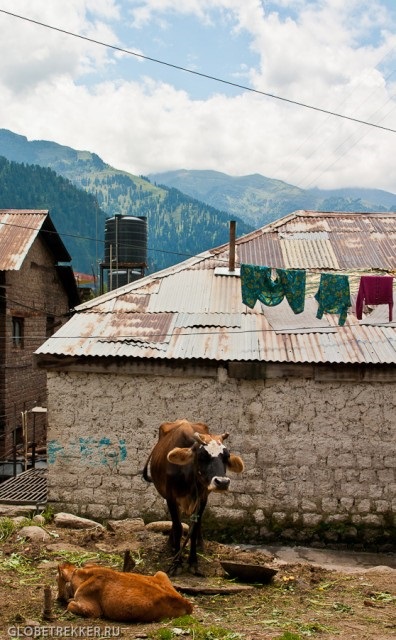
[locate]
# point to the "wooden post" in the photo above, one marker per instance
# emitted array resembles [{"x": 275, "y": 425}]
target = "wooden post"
[
  {"x": 129, "y": 562},
  {"x": 47, "y": 610},
  {"x": 231, "y": 258}
]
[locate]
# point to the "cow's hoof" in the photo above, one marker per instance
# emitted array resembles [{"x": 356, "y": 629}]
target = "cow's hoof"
[
  {"x": 176, "y": 567},
  {"x": 193, "y": 568}
]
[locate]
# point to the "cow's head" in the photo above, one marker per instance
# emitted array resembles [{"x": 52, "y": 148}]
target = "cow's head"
[
  {"x": 65, "y": 572},
  {"x": 211, "y": 459}
]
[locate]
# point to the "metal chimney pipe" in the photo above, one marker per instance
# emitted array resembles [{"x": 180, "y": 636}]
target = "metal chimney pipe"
[{"x": 231, "y": 257}]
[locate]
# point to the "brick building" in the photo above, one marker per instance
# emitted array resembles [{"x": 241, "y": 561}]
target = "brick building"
[{"x": 37, "y": 292}]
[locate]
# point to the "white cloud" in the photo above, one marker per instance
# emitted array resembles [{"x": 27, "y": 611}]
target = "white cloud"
[{"x": 332, "y": 54}]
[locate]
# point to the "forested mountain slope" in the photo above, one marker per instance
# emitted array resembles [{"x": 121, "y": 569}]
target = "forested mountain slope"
[
  {"x": 261, "y": 200},
  {"x": 178, "y": 225}
]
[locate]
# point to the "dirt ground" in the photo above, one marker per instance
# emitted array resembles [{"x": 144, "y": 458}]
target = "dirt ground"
[{"x": 302, "y": 600}]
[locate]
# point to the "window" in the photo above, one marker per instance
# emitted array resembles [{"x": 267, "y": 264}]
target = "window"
[{"x": 17, "y": 332}]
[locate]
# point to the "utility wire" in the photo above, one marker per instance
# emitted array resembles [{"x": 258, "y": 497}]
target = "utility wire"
[
  {"x": 197, "y": 73},
  {"x": 88, "y": 238},
  {"x": 129, "y": 245},
  {"x": 148, "y": 338}
]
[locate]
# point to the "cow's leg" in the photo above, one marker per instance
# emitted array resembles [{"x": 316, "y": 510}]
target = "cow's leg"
[
  {"x": 175, "y": 537},
  {"x": 83, "y": 607},
  {"x": 196, "y": 540},
  {"x": 176, "y": 532}
]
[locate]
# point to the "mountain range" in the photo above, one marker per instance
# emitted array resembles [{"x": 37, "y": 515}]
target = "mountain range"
[
  {"x": 260, "y": 200},
  {"x": 188, "y": 211},
  {"x": 178, "y": 226}
]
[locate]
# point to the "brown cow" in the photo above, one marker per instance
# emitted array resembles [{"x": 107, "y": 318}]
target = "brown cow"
[
  {"x": 186, "y": 464},
  {"x": 125, "y": 597}
]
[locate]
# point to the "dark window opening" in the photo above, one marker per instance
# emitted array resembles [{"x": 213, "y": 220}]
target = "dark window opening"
[{"x": 17, "y": 332}]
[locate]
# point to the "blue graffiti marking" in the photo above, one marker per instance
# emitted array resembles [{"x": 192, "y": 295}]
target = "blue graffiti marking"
[
  {"x": 94, "y": 452},
  {"x": 123, "y": 450},
  {"x": 87, "y": 447},
  {"x": 53, "y": 449}
]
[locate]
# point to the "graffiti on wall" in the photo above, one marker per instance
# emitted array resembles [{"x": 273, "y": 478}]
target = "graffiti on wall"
[{"x": 92, "y": 451}]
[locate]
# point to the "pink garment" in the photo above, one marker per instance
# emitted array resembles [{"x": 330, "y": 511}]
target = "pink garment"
[{"x": 375, "y": 290}]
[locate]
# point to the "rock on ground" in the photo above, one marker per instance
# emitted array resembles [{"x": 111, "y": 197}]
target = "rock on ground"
[
  {"x": 34, "y": 533},
  {"x": 71, "y": 521}
]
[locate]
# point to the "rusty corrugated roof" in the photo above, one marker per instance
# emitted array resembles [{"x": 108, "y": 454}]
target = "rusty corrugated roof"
[
  {"x": 194, "y": 310},
  {"x": 337, "y": 241},
  {"x": 18, "y": 230}
]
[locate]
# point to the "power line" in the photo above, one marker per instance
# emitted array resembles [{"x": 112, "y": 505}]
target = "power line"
[
  {"x": 318, "y": 127},
  {"x": 197, "y": 73},
  {"x": 148, "y": 338},
  {"x": 88, "y": 238}
]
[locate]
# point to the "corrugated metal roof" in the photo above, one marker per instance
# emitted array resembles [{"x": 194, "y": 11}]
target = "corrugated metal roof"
[
  {"x": 18, "y": 230},
  {"x": 354, "y": 241},
  {"x": 189, "y": 312},
  {"x": 253, "y": 340}
]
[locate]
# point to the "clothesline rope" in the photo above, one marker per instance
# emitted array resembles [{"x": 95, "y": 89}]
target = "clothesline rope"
[{"x": 270, "y": 286}]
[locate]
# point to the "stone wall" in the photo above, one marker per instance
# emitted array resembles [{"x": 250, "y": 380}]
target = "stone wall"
[{"x": 320, "y": 457}]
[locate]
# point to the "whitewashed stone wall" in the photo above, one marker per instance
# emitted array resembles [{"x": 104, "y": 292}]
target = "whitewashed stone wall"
[{"x": 320, "y": 457}]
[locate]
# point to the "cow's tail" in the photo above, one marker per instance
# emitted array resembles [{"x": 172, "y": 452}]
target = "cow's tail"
[{"x": 145, "y": 472}]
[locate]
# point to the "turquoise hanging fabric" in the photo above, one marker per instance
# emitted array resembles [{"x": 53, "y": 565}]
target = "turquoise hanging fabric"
[
  {"x": 333, "y": 296},
  {"x": 257, "y": 284}
]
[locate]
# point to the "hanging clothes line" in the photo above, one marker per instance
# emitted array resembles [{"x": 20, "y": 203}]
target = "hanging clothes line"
[
  {"x": 270, "y": 286},
  {"x": 258, "y": 284},
  {"x": 375, "y": 290}
]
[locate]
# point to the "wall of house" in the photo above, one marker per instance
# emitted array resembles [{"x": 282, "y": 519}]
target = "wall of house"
[
  {"x": 33, "y": 293},
  {"x": 320, "y": 457}
]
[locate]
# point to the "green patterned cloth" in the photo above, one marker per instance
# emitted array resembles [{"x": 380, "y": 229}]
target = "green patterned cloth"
[
  {"x": 257, "y": 284},
  {"x": 333, "y": 296}
]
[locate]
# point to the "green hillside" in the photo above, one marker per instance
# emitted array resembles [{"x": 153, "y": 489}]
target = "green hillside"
[
  {"x": 178, "y": 225},
  {"x": 73, "y": 211},
  {"x": 263, "y": 200}
]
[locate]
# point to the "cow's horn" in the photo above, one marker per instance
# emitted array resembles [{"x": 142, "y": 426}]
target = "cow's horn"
[
  {"x": 224, "y": 436},
  {"x": 199, "y": 438}
]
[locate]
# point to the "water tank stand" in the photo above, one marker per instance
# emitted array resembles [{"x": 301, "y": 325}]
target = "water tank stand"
[{"x": 104, "y": 266}]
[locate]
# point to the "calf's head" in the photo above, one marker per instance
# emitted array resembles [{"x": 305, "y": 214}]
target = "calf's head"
[
  {"x": 211, "y": 459},
  {"x": 65, "y": 572}
]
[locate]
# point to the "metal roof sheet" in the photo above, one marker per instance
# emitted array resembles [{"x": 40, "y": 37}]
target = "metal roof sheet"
[
  {"x": 189, "y": 312},
  {"x": 168, "y": 337},
  {"x": 18, "y": 230}
]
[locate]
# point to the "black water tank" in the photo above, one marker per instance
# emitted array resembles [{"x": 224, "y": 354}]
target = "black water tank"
[{"x": 127, "y": 237}]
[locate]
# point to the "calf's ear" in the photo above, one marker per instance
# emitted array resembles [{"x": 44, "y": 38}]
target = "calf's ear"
[
  {"x": 235, "y": 464},
  {"x": 65, "y": 571},
  {"x": 180, "y": 456}
]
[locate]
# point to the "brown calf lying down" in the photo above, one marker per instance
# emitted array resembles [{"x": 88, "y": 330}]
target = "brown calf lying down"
[{"x": 126, "y": 597}]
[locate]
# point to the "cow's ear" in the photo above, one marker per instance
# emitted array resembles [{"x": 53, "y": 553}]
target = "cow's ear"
[
  {"x": 180, "y": 456},
  {"x": 65, "y": 571},
  {"x": 235, "y": 464}
]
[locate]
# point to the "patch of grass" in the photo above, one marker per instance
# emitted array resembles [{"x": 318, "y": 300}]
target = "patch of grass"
[
  {"x": 188, "y": 625},
  {"x": 48, "y": 514},
  {"x": 79, "y": 558},
  {"x": 7, "y": 528},
  {"x": 165, "y": 634},
  {"x": 383, "y": 596},
  {"x": 308, "y": 629},
  {"x": 17, "y": 562},
  {"x": 342, "y": 607},
  {"x": 288, "y": 635}
]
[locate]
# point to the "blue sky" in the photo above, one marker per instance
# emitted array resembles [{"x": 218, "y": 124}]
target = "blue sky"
[{"x": 145, "y": 117}]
